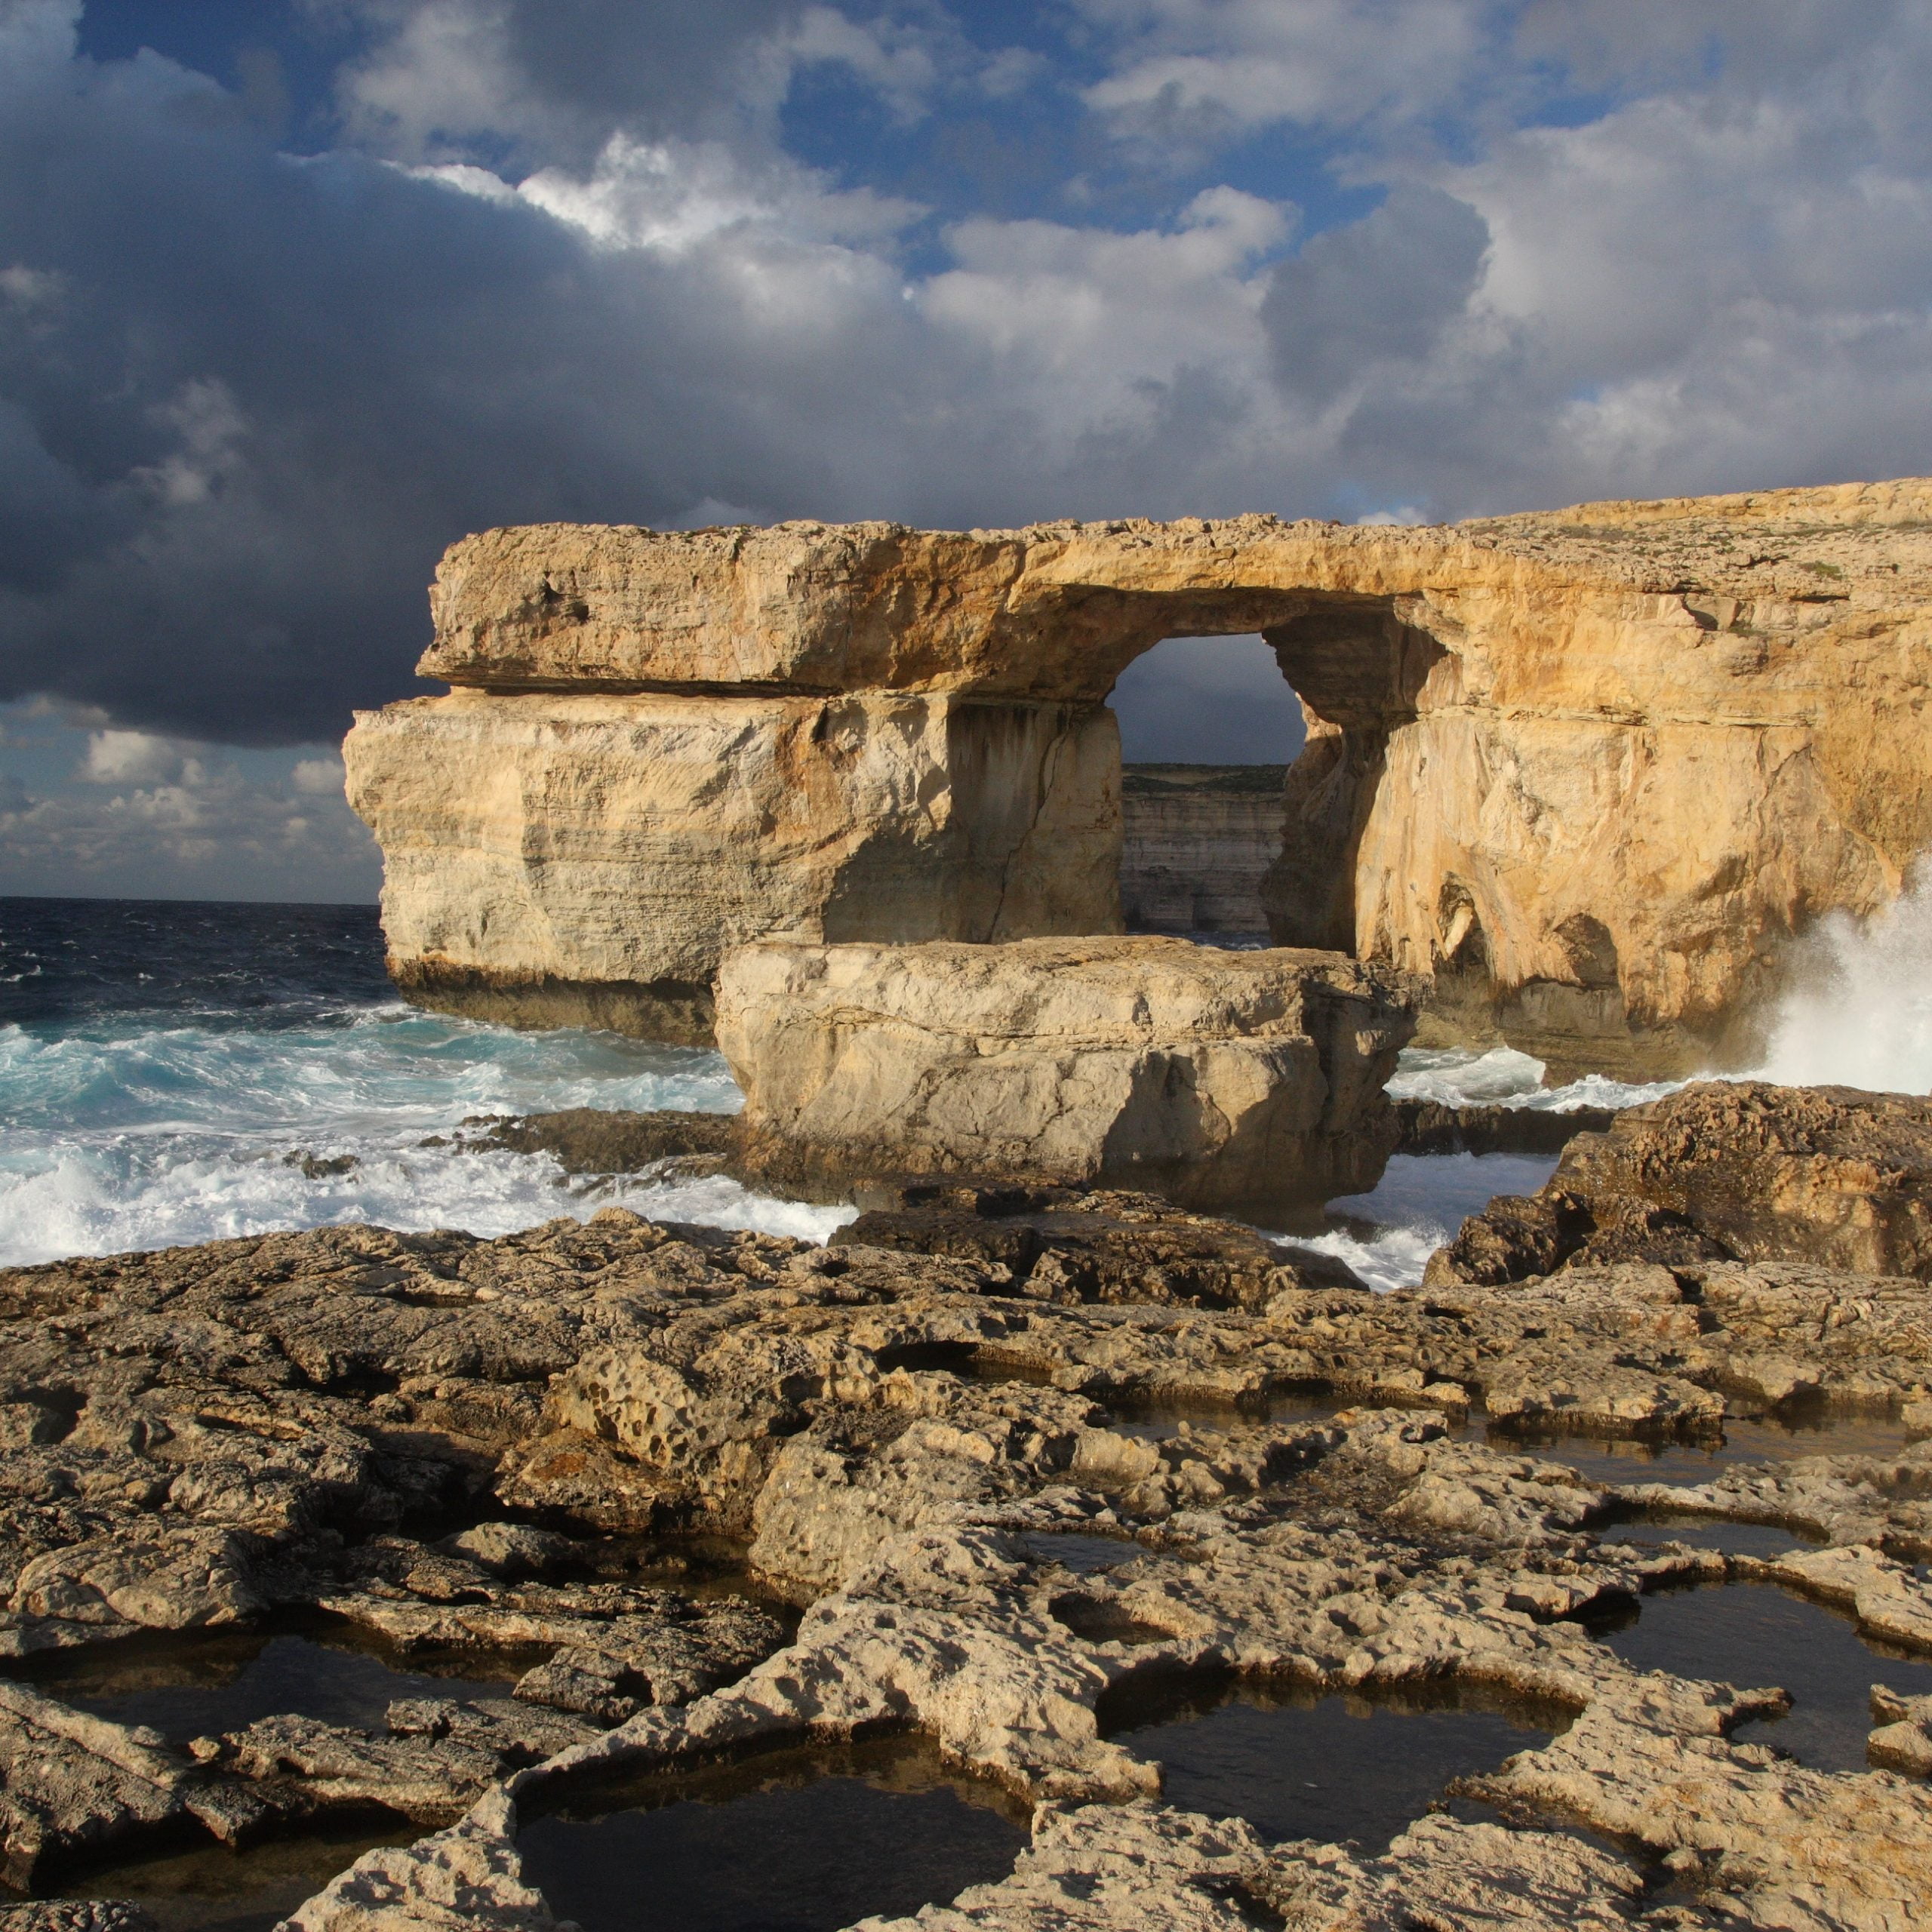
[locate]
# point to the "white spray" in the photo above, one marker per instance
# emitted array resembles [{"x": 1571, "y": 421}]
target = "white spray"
[{"x": 1860, "y": 1013}]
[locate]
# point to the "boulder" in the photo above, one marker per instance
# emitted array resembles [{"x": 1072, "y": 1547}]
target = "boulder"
[
  {"x": 1428, "y": 1127},
  {"x": 596, "y": 1140},
  {"x": 1212, "y": 1077},
  {"x": 1062, "y": 1244},
  {"x": 1832, "y": 1176}
]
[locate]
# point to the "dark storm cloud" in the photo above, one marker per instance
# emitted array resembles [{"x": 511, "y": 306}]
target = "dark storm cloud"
[
  {"x": 248, "y": 400},
  {"x": 535, "y": 81}
]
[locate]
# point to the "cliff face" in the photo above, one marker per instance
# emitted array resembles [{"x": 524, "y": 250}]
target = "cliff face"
[
  {"x": 562, "y": 858},
  {"x": 1197, "y": 841},
  {"x": 1587, "y": 770}
]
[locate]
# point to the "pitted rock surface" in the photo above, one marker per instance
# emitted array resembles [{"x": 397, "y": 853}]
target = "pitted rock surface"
[
  {"x": 438, "y": 1438},
  {"x": 1831, "y": 1176}
]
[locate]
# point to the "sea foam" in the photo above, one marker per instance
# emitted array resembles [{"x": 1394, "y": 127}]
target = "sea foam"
[
  {"x": 180, "y": 1074},
  {"x": 1858, "y": 1011},
  {"x": 121, "y": 1135}
]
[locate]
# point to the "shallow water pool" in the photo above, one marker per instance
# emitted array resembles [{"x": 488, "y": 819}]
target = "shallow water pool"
[
  {"x": 805, "y": 1841},
  {"x": 1298, "y": 1763},
  {"x": 1597, "y": 1457},
  {"x": 1754, "y": 1634},
  {"x": 1729, "y": 1539},
  {"x": 195, "y": 1684},
  {"x": 209, "y": 1888}
]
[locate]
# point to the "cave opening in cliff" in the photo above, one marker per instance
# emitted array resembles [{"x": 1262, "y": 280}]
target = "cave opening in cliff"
[{"x": 1208, "y": 727}]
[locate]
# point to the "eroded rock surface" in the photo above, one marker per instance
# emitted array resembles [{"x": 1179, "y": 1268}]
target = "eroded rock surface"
[
  {"x": 596, "y": 1140},
  {"x": 1428, "y": 1127},
  {"x": 933, "y": 1445},
  {"x": 71, "y": 1785},
  {"x": 1719, "y": 1171},
  {"x": 1213, "y": 1077}
]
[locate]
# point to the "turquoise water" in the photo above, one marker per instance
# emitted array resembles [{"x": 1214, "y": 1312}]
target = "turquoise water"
[{"x": 178, "y": 1074}]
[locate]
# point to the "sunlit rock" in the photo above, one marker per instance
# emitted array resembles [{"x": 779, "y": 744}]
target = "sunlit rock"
[
  {"x": 1213, "y": 1077},
  {"x": 1588, "y": 770}
]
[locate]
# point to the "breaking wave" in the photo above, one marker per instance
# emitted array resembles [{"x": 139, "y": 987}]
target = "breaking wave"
[
  {"x": 149, "y": 1137},
  {"x": 179, "y": 1074},
  {"x": 1858, "y": 1013},
  {"x": 176, "y": 1074},
  {"x": 1387, "y": 1235},
  {"x": 1459, "y": 1076}
]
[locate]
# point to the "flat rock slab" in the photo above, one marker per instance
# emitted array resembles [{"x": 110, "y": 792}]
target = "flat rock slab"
[{"x": 1214, "y": 1078}]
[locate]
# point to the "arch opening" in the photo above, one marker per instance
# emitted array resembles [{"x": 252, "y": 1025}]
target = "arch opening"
[
  {"x": 1221, "y": 838},
  {"x": 1208, "y": 729}
]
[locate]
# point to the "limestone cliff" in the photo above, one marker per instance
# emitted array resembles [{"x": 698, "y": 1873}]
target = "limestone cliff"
[
  {"x": 1588, "y": 770},
  {"x": 1197, "y": 841},
  {"x": 569, "y": 858}
]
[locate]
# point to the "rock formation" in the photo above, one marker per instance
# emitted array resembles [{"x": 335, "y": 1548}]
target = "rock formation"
[
  {"x": 1832, "y": 1176},
  {"x": 925, "y": 1451},
  {"x": 1430, "y": 1126},
  {"x": 571, "y": 858},
  {"x": 1215, "y": 1077},
  {"x": 1197, "y": 841},
  {"x": 1588, "y": 770}
]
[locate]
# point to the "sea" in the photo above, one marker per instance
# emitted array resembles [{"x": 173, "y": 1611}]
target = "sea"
[{"x": 174, "y": 1072}]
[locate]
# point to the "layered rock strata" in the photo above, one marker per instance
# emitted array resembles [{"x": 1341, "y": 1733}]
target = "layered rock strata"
[
  {"x": 1588, "y": 770},
  {"x": 1215, "y": 1077},
  {"x": 573, "y": 858},
  {"x": 1197, "y": 841}
]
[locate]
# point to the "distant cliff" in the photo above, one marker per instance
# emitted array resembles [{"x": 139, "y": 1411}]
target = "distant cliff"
[{"x": 1197, "y": 839}]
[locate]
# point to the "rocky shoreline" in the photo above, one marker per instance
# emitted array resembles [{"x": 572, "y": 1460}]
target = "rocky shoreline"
[{"x": 996, "y": 1458}]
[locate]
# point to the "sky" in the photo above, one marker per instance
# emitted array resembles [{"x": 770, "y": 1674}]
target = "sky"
[{"x": 294, "y": 293}]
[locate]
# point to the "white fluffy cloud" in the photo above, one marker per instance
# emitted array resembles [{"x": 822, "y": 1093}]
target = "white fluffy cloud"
[
  {"x": 136, "y": 814},
  {"x": 134, "y": 758},
  {"x": 1323, "y": 63}
]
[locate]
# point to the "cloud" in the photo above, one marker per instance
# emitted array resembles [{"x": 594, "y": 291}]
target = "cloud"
[
  {"x": 1207, "y": 700},
  {"x": 538, "y": 81},
  {"x": 144, "y": 815},
  {"x": 131, "y": 758},
  {"x": 318, "y": 778},
  {"x": 557, "y": 262},
  {"x": 1382, "y": 289},
  {"x": 1108, "y": 312},
  {"x": 1334, "y": 64},
  {"x": 671, "y": 197},
  {"x": 532, "y": 83}
]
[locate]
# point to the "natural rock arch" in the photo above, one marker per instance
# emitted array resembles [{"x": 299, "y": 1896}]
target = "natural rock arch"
[
  {"x": 1355, "y": 667},
  {"x": 1585, "y": 771}
]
